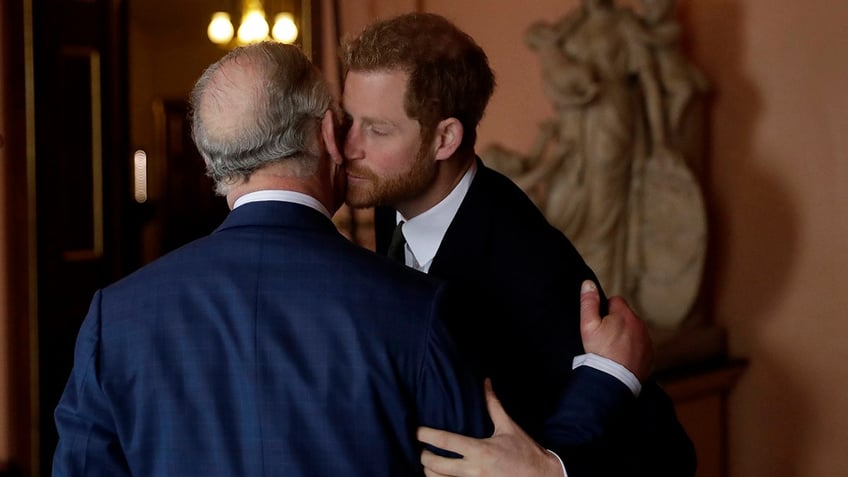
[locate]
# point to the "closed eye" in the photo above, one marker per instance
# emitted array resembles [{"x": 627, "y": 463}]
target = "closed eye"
[{"x": 378, "y": 131}]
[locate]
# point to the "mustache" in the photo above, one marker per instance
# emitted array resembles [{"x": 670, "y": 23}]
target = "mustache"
[{"x": 360, "y": 171}]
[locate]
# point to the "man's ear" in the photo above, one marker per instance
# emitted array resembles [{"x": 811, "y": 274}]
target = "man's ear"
[
  {"x": 448, "y": 137},
  {"x": 328, "y": 131}
]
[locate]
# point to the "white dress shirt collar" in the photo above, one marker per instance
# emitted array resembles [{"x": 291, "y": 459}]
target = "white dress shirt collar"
[
  {"x": 425, "y": 231},
  {"x": 283, "y": 196}
]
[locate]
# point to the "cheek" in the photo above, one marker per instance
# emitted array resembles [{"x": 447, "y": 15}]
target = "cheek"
[{"x": 390, "y": 160}]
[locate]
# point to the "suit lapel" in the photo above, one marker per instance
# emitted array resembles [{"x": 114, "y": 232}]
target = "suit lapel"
[{"x": 465, "y": 243}]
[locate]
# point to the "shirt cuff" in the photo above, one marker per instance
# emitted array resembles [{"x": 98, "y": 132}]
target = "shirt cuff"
[
  {"x": 564, "y": 473},
  {"x": 610, "y": 367}
]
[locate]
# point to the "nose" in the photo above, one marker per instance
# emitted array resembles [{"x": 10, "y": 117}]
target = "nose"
[{"x": 352, "y": 144}]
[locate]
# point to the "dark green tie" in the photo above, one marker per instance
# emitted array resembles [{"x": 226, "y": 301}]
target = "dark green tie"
[{"x": 398, "y": 245}]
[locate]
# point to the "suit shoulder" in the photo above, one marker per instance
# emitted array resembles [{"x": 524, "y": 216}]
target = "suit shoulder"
[
  {"x": 375, "y": 267},
  {"x": 514, "y": 216},
  {"x": 510, "y": 205}
]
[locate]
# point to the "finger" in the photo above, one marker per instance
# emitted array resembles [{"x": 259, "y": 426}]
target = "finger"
[
  {"x": 440, "y": 466},
  {"x": 620, "y": 309},
  {"x": 446, "y": 440},
  {"x": 619, "y": 306},
  {"x": 500, "y": 418},
  {"x": 590, "y": 305},
  {"x": 432, "y": 473}
]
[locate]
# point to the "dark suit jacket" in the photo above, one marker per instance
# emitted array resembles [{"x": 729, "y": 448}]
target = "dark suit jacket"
[
  {"x": 273, "y": 346},
  {"x": 522, "y": 327}
]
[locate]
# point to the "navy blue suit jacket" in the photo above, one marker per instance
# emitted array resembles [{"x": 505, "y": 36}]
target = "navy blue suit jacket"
[
  {"x": 273, "y": 346},
  {"x": 522, "y": 328}
]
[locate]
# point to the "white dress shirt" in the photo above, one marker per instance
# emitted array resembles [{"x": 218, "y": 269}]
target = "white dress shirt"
[
  {"x": 425, "y": 231},
  {"x": 283, "y": 196}
]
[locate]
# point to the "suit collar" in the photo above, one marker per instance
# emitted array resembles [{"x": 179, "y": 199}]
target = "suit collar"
[{"x": 277, "y": 214}]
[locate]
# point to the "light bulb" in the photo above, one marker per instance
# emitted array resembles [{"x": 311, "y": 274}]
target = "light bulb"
[
  {"x": 253, "y": 27},
  {"x": 285, "y": 30},
  {"x": 220, "y": 29}
]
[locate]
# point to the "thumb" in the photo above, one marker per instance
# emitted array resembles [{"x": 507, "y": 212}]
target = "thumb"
[
  {"x": 590, "y": 305},
  {"x": 496, "y": 411},
  {"x": 619, "y": 306}
]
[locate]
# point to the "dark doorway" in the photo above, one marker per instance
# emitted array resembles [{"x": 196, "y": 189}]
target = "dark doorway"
[
  {"x": 84, "y": 217},
  {"x": 186, "y": 207}
]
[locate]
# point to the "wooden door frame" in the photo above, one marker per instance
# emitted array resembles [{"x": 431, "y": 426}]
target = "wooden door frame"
[{"x": 17, "y": 219}]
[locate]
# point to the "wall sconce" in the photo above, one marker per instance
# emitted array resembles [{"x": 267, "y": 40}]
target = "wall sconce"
[{"x": 254, "y": 27}]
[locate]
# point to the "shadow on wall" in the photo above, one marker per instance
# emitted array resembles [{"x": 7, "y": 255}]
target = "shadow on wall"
[
  {"x": 753, "y": 239},
  {"x": 753, "y": 247}
]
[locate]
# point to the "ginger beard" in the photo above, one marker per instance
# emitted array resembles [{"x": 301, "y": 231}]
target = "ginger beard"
[{"x": 373, "y": 190}]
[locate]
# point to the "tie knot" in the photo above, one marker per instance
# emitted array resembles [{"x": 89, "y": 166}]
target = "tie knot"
[{"x": 397, "y": 247}]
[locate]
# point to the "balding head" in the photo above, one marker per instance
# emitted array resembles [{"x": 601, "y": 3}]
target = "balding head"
[
  {"x": 257, "y": 106},
  {"x": 231, "y": 101}
]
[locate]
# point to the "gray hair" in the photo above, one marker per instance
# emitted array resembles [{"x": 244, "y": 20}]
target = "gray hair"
[{"x": 260, "y": 104}]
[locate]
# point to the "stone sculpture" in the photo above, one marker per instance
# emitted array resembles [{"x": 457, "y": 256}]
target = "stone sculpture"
[{"x": 611, "y": 168}]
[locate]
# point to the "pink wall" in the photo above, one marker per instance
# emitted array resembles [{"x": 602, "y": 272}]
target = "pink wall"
[
  {"x": 777, "y": 197},
  {"x": 779, "y": 202}
]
